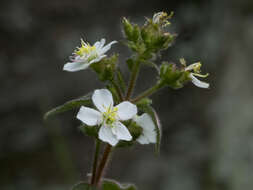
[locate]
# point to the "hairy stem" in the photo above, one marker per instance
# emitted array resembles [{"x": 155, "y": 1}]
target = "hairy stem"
[
  {"x": 148, "y": 92},
  {"x": 133, "y": 78},
  {"x": 103, "y": 164},
  {"x": 121, "y": 81},
  {"x": 118, "y": 90},
  {"x": 94, "y": 167}
]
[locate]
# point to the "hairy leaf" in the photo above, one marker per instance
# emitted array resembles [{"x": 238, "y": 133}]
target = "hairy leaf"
[
  {"x": 83, "y": 186},
  {"x": 109, "y": 184},
  {"x": 72, "y": 104}
]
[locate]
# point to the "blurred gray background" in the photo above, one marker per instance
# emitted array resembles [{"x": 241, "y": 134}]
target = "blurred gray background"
[{"x": 207, "y": 134}]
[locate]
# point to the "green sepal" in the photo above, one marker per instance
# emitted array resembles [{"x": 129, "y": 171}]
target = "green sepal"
[
  {"x": 158, "y": 127},
  {"x": 141, "y": 104},
  {"x": 172, "y": 76},
  {"x": 134, "y": 129},
  {"x": 72, "y": 104},
  {"x": 106, "y": 68},
  {"x": 131, "y": 31},
  {"x": 83, "y": 186},
  {"x": 109, "y": 184},
  {"x": 130, "y": 63},
  {"x": 91, "y": 131}
]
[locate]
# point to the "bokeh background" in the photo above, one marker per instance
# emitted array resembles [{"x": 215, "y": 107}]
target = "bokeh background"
[{"x": 207, "y": 134}]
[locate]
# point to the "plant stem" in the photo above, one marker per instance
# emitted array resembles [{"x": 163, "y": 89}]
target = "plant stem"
[
  {"x": 148, "y": 92},
  {"x": 94, "y": 167},
  {"x": 133, "y": 78},
  {"x": 121, "y": 80},
  {"x": 103, "y": 164},
  {"x": 118, "y": 90}
]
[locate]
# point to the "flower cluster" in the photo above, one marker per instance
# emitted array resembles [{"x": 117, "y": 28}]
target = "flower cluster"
[{"x": 112, "y": 115}]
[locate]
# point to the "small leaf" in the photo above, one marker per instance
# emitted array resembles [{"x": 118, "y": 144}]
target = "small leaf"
[
  {"x": 83, "y": 186},
  {"x": 109, "y": 184},
  {"x": 72, "y": 104},
  {"x": 151, "y": 111}
]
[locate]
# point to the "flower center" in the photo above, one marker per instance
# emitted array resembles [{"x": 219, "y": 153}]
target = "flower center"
[
  {"x": 85, "y": 48},
  {"x": 110, "y": 115}
]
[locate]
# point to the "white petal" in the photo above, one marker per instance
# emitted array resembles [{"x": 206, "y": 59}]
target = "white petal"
[
  {"x": 75, "y": 66},
  {"x": 97, "y": 59},
  {"x": 126, "y": 110},
  {"x": 105, "y": 134},
  {"x": 121, "y": 131},
  {"x": 107, "y": 47},
  {"x": 142, "y": 140},
  {"x": 102, "y": 43},
  {"x": 146, "y": 122},
  {"x": 102, "y": 99},
  {"x": 198, "y": 83},
  {"x": 89, "y": 116},
  {"x": 97, "y": 44}
]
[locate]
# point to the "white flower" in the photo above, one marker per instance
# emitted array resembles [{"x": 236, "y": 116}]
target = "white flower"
[
  {"x": 86, "y": 55},
  {"x": 195, "y": 68},
  {"x": 108, "y": 116},
  {"x": 162, "y": 18},
  {"x": 148, "y": 129}
]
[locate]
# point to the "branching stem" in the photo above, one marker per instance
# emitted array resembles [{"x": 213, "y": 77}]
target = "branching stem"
[
  {"x": 133, "y": 78},
  {"x": 94, "y": 167},
  {"x": 103, "y": 163},
  {"x": 148, "y": 92}
]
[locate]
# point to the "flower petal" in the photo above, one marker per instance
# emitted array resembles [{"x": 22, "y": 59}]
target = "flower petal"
[
  {"x": 126, "y": 110},
  {"x": 89, "y": 116},
  {"x": 198, "y": 83},
  {"x": 146, "y": 122},
  {"x": 121, "y": 131},
  {"x": 105, "y": 134},
  {"x": 102, "y": 99},
  {"x": 106, "y": 48},
  {"x": 142, "y": 140},
  {"x": 75, "y": 66},
  {"x": 97, "y": 59}
]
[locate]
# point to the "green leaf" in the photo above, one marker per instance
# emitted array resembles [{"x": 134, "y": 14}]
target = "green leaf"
[
  {"x": 109, "y": 184},
  {"x": 151, "y": 111},
  {"x": 83, "y": 186},
  {"x": 72, "y": 104}
]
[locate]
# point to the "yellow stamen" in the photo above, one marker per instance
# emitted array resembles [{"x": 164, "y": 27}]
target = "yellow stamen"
[
  {"x": 110, "y": 115},
  {"x": 85, "y": 48},
  {"x": 182, "y": 61}
]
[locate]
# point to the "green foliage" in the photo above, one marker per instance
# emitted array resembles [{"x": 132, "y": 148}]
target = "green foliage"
[
  {"x": 143, "y": 103},
  {"x": 106, "y": 68},
  {"x": 109, "y": 184},
  {"x": 131, "y": 31},
  {"x": 173, "y": 77},
  {"x": 72, "y": 104},
  {"x": 135, "y": 131}
]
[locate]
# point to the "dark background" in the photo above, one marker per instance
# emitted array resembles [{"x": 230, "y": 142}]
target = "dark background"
[{"x": 207, "y": 134}]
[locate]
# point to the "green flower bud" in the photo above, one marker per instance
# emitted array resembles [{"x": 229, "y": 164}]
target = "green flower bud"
[
  {"x": 105, "y": 68},
  {"x": 172, "y": 76},
  {"x": 132, "y": 32}
]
